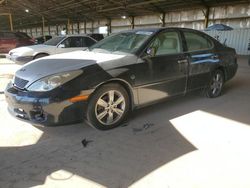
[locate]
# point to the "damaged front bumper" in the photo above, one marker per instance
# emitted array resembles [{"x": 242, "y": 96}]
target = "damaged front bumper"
[{"x": 43, "y": 111}]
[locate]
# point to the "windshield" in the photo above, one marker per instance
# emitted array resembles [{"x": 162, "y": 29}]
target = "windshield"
[
  {"x": 54, "y": 41},
  {"x": 122, "y": 42}
]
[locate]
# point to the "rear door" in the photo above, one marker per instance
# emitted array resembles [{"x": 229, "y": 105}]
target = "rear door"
[
  {"x": 201, "y": 55},
  {"x": 166, "y": 70}
]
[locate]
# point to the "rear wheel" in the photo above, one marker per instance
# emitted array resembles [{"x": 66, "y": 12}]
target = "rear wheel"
[
  {"x": 108, "y": 107},
  {"x": 216, "y": 83}
]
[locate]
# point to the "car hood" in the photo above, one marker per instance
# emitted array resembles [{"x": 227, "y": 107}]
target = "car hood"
[
  {"x": 31, "y": 49},
  {"x": 71, "y": 61}
]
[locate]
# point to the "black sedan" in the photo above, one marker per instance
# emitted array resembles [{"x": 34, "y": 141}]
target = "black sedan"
[{"x": 122, "y": 72}]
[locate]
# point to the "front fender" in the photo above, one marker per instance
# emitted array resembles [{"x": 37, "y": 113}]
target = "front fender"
[{"x": 119, "y": 75}]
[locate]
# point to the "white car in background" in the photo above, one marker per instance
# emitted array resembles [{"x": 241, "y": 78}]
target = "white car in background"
[{"x": 56, "y": 45}]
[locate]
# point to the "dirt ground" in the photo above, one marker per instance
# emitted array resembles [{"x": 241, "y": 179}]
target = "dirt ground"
[{"x": 188, "y": 142}]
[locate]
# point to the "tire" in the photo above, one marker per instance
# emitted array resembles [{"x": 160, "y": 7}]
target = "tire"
[
  {"x": 108, "y": 107},
  {"x": 216, "y": 84},
  {"x": 40, "y": 56}
]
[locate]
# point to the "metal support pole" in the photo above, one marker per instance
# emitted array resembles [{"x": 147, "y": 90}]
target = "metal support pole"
[
  {"x": 10, "y": 19},
  {"x": 11, "y": 22},
  {"x": 163, "y": 18},
  {"x": 49, "y": 28},
  {"x": 43, "y": 26},
  {"x": 109, "y": 26},
  {"x": 57, "y": 32},
  {"x": 68, "y": 26},
  {"x": 92, "y": 26},
  {"x": 206, "y": 17},
  {"x": 85, "y": 25},
  {"x": 133, "y": 22},
  {"x": 78, "y": 27}
]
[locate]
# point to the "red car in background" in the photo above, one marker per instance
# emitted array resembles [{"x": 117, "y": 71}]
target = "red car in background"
[{"x": 11, "y": 40}]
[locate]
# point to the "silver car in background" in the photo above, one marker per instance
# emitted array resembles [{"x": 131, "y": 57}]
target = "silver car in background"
[{"x": 56, "y": 45}]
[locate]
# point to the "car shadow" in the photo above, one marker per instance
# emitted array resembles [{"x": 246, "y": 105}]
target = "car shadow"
[{"x": 114, "y": 158}]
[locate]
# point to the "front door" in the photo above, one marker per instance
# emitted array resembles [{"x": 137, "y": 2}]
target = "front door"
[{"x": 165, "y": 70}]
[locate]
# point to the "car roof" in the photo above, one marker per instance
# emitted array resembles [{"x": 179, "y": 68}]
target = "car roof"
[
  {"x": 159, "y": 29},
  {"x": 76, "y": 35}
]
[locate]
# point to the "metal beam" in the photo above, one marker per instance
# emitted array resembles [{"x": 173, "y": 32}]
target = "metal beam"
[
  {"x": 78, "y": 27},
  {"x": 10, "y": 19},
  {"x": 68, "y": 26},
  {"x": 11, "y": 22},
  {"x": 85, "y": 25},
  {"x": 132, "y": 21},
  {"x": 163, "y": 19},
  {"x": 57, "y": 31},
  {"x": 109, "y": 26},
  {"x": 206, "y": 17},
  {"x": 43, "y": 26},
  {"x": 79, "y": 10},
  {"x": 131, "y": 5}
]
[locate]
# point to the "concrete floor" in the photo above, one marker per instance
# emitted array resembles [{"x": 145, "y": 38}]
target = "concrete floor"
[{"x": 191, "y": 142}]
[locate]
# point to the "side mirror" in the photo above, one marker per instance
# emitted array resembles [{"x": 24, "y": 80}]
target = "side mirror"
[
  {"x": 61, "y": 46},
  {"x": 151, "y": 51}
]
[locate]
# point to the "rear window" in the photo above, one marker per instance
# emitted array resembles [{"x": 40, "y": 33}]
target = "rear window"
[{"x": 197, "y": 42}]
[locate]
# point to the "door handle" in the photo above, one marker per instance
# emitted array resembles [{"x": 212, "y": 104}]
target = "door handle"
[
  {"x": 214, "y": 56},
  {"x": 182, "y": 61}
]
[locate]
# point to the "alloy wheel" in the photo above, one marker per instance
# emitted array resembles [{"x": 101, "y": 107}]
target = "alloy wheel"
[
  {"x": 110, "y": 107},
  {"x": 217, "y": 83}
]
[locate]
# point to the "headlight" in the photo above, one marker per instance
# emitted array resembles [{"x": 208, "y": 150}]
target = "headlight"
[
  {"x": 51, "y": 82},
  {"x": 15, "y": 53}
]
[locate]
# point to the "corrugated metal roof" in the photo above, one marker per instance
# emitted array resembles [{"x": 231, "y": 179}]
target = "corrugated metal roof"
[{"x": 56, "y": 11}]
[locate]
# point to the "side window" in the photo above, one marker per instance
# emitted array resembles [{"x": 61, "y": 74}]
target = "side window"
[
  {"x": 166, "y": 43},
  {"x": 87, "y": 42},
  {"x": 197, "y": 42},
  {"x": 73, "y": 42}
]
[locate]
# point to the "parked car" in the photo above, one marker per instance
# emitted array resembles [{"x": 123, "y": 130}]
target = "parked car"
[
  {"x": 55, "y": 45},
  {"x": 10, "y": 40},
  {"x": 42, "y": 39},
  {"x": 96, "y": 36},
  {"x": 122, "y": 72}
]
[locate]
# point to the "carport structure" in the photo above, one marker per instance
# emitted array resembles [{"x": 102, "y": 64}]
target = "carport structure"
[
  {"x": 27, "y": 14},
  {"x": 189, "y": 142}
]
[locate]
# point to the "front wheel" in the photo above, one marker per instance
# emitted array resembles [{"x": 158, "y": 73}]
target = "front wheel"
[
  {"x": 108, "y": 107},
  {"x": 216, "y": 83}
]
